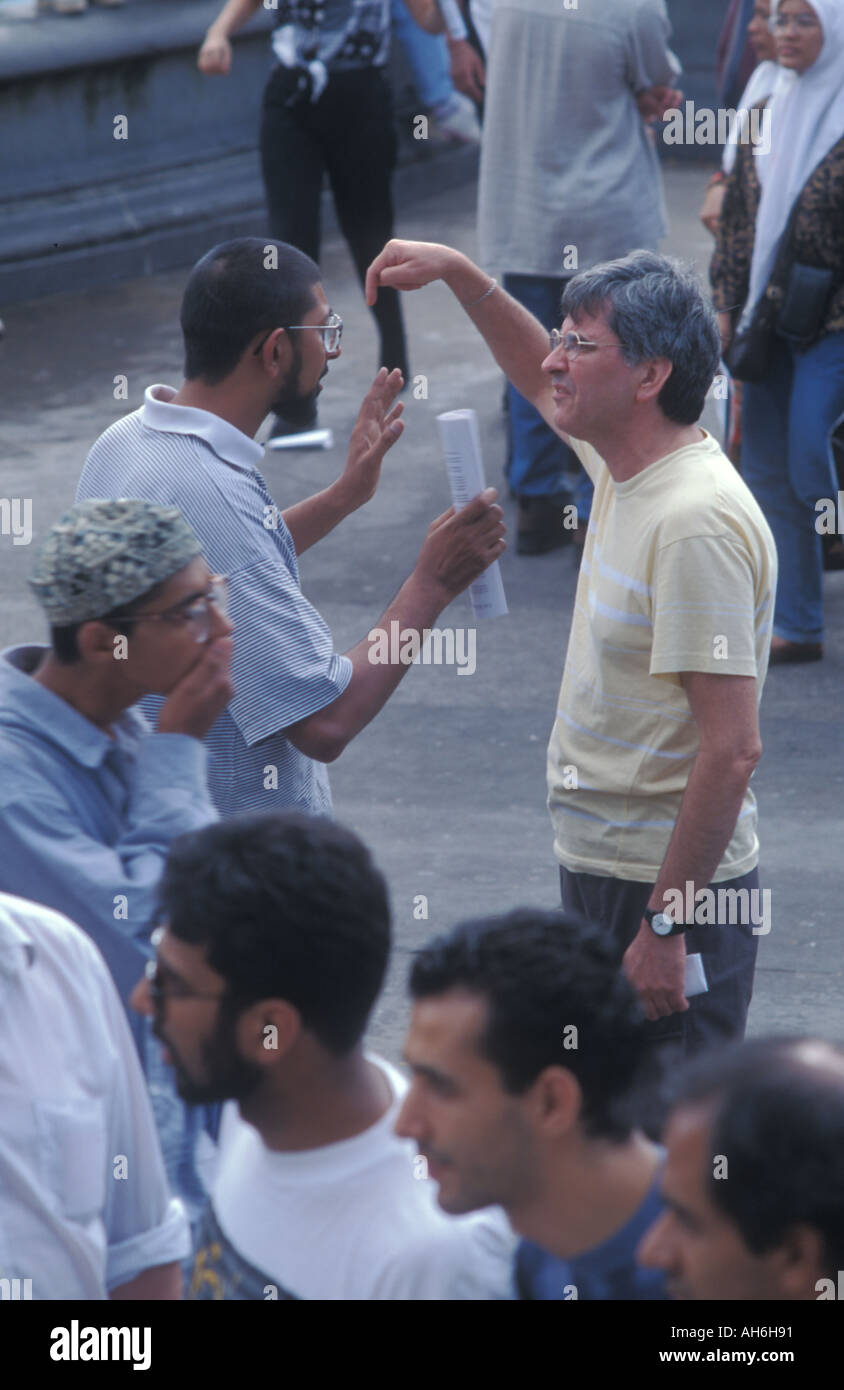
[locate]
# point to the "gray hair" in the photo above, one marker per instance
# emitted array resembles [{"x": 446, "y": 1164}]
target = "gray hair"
[{"x": 656, "y": 308}]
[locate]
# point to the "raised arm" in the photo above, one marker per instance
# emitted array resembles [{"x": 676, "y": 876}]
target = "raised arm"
[{"x": 517, "y": 340}]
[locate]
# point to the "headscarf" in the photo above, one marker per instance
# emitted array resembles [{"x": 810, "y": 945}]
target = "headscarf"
[{"x": 807, "y": 120}]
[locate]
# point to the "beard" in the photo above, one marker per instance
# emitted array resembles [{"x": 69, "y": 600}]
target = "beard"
[
  {"x": 291, "y": 404},
  {"x": 228, "y": 1076}
]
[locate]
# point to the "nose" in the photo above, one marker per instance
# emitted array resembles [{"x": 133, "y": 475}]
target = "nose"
[
  {"x": 556, "y": 361},
  {"x": 408, "y": 1123},
  {"x": 140, "y": 999},
  {"x": 221, "y": 623}
]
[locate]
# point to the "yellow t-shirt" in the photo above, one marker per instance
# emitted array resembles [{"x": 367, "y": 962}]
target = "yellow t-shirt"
[{"x": 678, "y": 574}]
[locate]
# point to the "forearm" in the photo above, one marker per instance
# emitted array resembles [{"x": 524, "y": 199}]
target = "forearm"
[
  {"x": 427, "y": 15},
  {"x": 233, "y": 16},
  {"x": 517, "y": 340},
  {"x": 312, "y": 519},
  {"x": 416, "y": 606},
  {"x": 705, "y": 825}
]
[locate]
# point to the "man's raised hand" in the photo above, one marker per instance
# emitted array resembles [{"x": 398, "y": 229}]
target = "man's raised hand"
[
  {"x": 376, "y": 430},
  {"x": 407, "y": 265},
  {"x": 196, "y": 702}
]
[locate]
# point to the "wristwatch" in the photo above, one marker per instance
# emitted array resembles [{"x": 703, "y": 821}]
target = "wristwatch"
[{"x": 661, "y": 924}]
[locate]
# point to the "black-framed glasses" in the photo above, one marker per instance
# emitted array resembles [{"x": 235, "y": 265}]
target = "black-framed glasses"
[
  {"x": 161, "y": 987},
  {"x": 197, "y": 613},
  {"x": 572, "y": 343},
  {"x": 331, "y": 330}
]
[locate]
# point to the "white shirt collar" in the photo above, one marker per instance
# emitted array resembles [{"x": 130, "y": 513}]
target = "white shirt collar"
[{"x": 227, "y": 441}]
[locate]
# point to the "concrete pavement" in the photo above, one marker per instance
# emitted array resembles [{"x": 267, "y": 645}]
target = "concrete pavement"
[{"x": 447, "y": 784}]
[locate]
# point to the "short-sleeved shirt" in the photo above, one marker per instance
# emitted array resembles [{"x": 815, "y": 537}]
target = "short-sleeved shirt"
[
  {"x": 73, "y": 1219},
  {"x": 284, "y": 665},
  {"x": 352, "y": 1220},
  {"x": 568, "y": 174},
  {"x": 678, "y": 574},
  {"x": 607, "y": 1273}
]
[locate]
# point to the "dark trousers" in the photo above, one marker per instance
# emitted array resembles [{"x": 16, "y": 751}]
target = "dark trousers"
[
  {"x": 349, "y": 135},
  {"x": 728, "y": 951}
]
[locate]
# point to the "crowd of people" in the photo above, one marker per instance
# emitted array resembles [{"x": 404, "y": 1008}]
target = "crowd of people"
[{"x": 191, "y": 947}]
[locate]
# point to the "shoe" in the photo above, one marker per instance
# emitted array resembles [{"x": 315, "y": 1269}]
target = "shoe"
[
  {"x": 833, "y": 553},
  {"x": 456, "y": 121},
  {"x": 541, "y": 526},
  {"x": 785, "y": 653}
]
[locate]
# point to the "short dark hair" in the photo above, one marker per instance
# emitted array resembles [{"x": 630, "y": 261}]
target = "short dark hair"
[
  {"x": 778, "y": 1119},
  {"x": 656, "y": 308},
  {"x": 232, "y": 294},
  {"x": 64, "y": 640},
  {"x": 287, "y": 906},
  {"x": 540, "y": 972}
]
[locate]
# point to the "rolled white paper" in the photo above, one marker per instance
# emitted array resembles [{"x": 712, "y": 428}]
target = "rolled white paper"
[{"x": 461, "y": 445}]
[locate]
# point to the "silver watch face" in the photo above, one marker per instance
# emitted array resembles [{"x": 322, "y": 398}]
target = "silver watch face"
[{"x": 662, "y": 924}]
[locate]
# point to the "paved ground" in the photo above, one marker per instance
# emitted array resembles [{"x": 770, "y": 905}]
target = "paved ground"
[{"x": 447, "y": 785}]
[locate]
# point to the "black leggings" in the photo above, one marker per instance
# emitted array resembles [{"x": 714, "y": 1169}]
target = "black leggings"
[{"x": 349, "y": 132}]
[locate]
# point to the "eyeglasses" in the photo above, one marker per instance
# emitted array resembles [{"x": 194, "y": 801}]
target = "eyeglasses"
[
  {"x": 778, "y": 23},
  {"x": 197, "y": 614},
  {"x": 572, "y": 343},
  {"x": 160, "y": 988},
  {"x": 332, "y": 332}
]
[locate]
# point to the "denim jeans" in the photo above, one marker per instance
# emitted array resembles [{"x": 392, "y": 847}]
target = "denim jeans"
[
  {"x": 787, "y": 463},
  {"x": 427, "y": 55},
  {"x": 539, "y": 459},
  {"x": 179, "y": 1126}
]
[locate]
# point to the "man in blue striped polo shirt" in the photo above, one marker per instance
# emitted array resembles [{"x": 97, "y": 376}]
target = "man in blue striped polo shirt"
[{"x": 259, "y": 333}]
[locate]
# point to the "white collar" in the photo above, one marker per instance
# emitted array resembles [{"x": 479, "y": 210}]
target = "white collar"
[{"x": 228, "y": 442}]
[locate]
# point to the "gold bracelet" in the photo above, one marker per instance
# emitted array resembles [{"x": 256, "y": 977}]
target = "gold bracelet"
[{"x": 473, "y": 302}]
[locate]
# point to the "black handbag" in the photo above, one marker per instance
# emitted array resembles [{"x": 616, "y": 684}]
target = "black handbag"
[{"x": 804, "y": 304}]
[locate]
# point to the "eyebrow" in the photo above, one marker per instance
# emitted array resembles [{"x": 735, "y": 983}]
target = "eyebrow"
[
  {"x": 430, "y": 1073},
  {"x": 166, "y": 969}
]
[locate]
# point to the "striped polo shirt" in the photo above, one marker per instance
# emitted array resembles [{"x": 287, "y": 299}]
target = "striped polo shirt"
[
  {"x": 678, "y": 574},
  {"x": 284, "y": 665}
]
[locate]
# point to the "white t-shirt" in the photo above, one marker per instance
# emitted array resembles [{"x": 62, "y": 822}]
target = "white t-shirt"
[{"x": 346, "y": 1221}]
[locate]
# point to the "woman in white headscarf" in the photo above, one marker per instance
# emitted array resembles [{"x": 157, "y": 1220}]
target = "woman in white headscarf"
[{"x": 780, "y": 261}]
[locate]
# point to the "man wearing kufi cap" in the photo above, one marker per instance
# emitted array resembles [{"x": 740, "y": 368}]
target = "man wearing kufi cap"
[{"x": 90, "y": 796}]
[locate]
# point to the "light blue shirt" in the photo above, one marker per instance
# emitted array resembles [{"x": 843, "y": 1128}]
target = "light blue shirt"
[
  {"x": 284, "y": 666},
  {"x": 86, "y": 820},
  {"x": 85, "y": 825}
]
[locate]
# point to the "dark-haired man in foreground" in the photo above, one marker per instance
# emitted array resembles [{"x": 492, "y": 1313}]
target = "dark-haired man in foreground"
[
  {"x": 754, "y": 1180},
  {"x": 657, "y": 733},
  {"x": 274, "y": 942},
  {"x": 259, "y": 332},
  {"x": 526, "y": 1046}
]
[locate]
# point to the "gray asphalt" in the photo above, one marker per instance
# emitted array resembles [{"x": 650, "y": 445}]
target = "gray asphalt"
[{"x": 447, "y": 784}]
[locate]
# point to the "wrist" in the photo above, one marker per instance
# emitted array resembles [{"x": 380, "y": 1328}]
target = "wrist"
[
  {"x": 466, "y": 280},
  {"x": 426, "y": 596}
]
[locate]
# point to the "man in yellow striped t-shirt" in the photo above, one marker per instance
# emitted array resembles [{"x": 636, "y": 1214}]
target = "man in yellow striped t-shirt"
[{"x": 657, "y": 734}]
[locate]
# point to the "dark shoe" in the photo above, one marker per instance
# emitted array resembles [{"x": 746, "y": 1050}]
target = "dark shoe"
[
  {"x": 541, "y": 526},
  {"x": 785, "y": 653},
  {"x": 833, "y": 553}
]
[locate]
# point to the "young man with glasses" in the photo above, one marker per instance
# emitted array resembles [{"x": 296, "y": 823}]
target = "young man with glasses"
[
  {"x": 258, "y": 332},
  {"x": 273, "y": 948},
  {"x": 656, "y": 734},
  {"x": 90, "y": 796}
]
